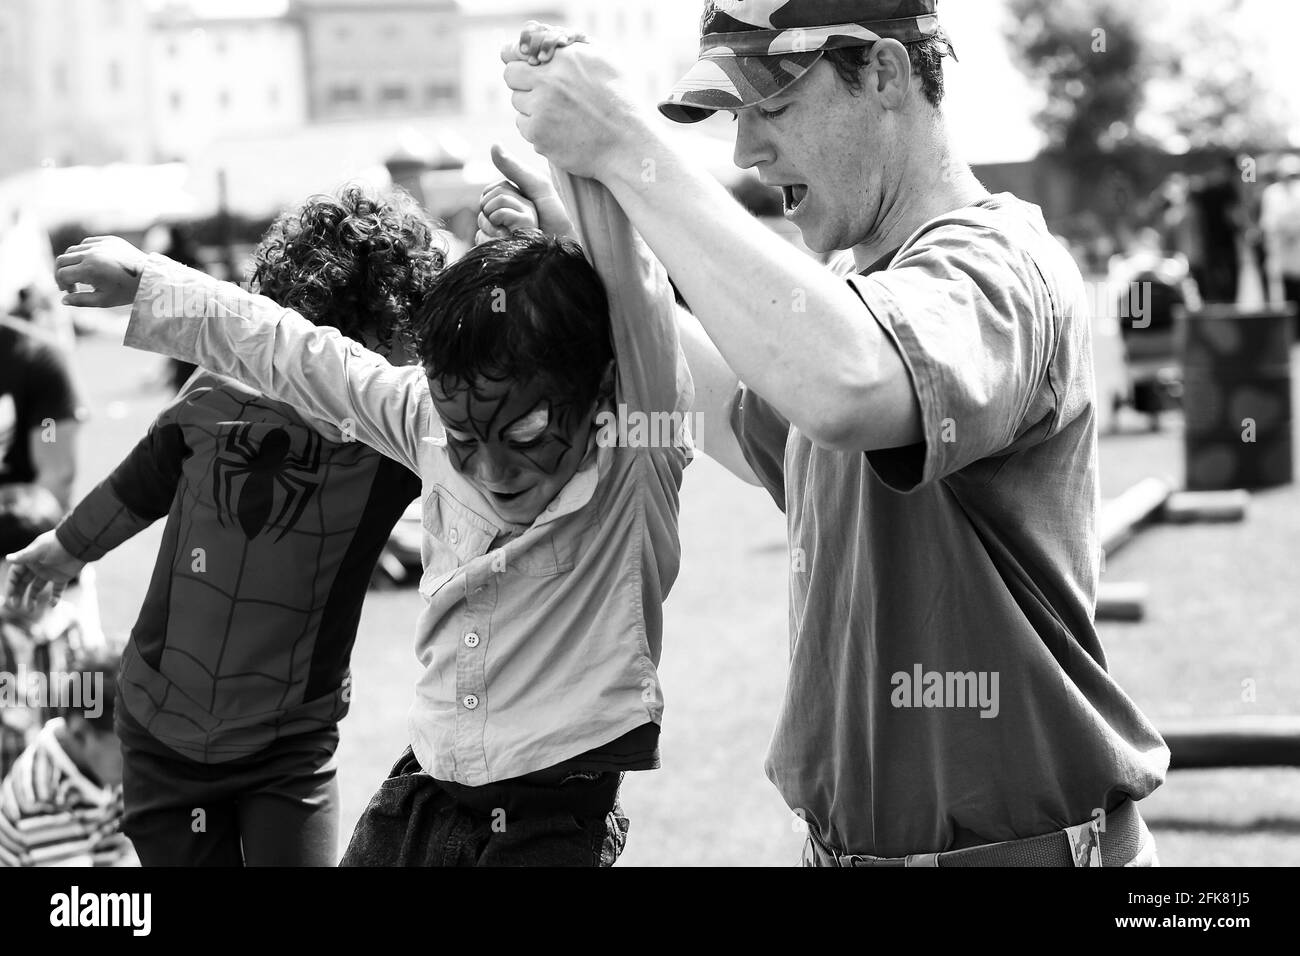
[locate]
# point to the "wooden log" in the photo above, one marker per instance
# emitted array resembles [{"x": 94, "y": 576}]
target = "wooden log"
[
  {"x": 1233, "y": 742},
  {"x": 1185, "y": 506},
  {"x": 1120, "y": 516},
  {"x": 1121, "y": 601}
]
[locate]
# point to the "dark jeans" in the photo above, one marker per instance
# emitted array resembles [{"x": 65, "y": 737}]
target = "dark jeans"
[
  {"x": 277, "y": 809},
  {"x": 415, "y": 820}
]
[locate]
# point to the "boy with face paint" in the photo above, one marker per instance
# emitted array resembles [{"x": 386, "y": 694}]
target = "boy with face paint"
[{"x": 547, "y": 551}]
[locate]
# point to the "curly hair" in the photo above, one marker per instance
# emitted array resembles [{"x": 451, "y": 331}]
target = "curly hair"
[{"x": 357, "y": 262}]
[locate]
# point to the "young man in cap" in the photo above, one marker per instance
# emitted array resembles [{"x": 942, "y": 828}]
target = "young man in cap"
[{"x": 928, "y": 426}]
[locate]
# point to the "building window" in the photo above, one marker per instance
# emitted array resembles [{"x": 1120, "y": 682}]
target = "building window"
[
  {"x": 171, "y": 50},
  {"x": 439, "y": 94},
  {"x": 223, "y": 99},
  {"x": 219, "y": 46},
  {"x": 341, "y": 95},
  {"x": 114, "y": 75},
  {"x": 393, "y": 93},
  {"x": 273, "y": 96},
  {"x": 342, "y": 34},
  {"x": 60, "y": 78},
  {"x": 177, "y": 101}
]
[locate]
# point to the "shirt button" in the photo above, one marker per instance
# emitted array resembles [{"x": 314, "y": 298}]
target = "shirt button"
[
  {"x": 470, "y": 701},
  {"x": 471, "y": 639},
  {"x": 454, "y": 536},
  {"x": 356, "y": 349}
]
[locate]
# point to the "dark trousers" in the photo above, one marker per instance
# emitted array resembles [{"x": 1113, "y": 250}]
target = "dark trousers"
[
  {"x": 415, "y": 820},
  {"x": 279, "y": 808}
]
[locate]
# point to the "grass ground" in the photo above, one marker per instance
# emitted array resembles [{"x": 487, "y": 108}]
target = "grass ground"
[{"x": 1224, "y": 608}]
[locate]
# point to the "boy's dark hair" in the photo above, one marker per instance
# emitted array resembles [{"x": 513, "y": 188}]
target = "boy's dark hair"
[
  {"x": 526, "y": 306},
  {"x": 26, "y": 512},
  {"x": 352, "y": 261},
  {"x": 927, "y": 62}
]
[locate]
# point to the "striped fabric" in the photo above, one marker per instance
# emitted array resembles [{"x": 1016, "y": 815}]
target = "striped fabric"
[{"x": 51, "y": 814}]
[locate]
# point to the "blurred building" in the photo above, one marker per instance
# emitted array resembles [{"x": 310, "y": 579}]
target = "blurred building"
[
  {"x": 483, "y": 33},
  {"x": 376, "y": 58},
  {"x": 74, "y": 87},
  {"x": 216, "y": 77},
  {"x": 657, "y": 42}
]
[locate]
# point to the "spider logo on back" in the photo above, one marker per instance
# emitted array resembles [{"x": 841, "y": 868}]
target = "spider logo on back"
[{"x": 263, "y": 468}]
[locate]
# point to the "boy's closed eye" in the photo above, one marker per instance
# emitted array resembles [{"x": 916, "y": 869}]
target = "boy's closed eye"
[
  {"x": 529, "y": 429},
  {"x": 525, "y": 432}
]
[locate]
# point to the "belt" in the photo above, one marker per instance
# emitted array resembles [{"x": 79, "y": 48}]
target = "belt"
[{"x": 1111, "y": 839}]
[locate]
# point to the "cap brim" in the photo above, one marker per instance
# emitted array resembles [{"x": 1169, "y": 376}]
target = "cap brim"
[{"x": 733, "y": 83}]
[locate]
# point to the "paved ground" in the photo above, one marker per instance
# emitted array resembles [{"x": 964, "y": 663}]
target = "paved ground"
[{"x": 1224, "y": 608}]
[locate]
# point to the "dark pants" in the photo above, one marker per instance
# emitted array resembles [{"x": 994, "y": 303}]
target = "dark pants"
[
  {"x": 279, "y": 808},
  {"x": 416, "y": 821}
]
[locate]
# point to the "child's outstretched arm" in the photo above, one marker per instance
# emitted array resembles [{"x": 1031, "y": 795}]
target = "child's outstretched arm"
[
  {"x": 184, "y": 314},
  {"x": 139, "y": 491}
]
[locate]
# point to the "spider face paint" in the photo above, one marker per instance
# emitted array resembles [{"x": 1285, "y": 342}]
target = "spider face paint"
[{"x": 513, "y": 441}]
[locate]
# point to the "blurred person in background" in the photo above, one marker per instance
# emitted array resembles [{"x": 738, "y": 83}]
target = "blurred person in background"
[
  {"x": 1280, "y": 223},
  {"x": 41, "y": 639},
  {"x": 61, "y": 801},
  {"x": 27, "y": 289},
  {"x": 40, "y": 410},
  {"x": 179, "y": 246},
  {"x": 1220, "y": 214}
]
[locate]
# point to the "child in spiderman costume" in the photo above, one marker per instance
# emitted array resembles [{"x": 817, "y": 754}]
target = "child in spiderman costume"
[{"x": 236, "y": 673}]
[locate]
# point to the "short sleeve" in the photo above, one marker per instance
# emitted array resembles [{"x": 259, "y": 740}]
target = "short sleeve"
[
  {"x": 762, "y": 432},
  {"x": 974, "y": 322},
  {"x": 50, "y": 393}
]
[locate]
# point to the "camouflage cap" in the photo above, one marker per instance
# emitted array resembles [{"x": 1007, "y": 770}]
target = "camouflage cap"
[{"x": 751, "y": 50}]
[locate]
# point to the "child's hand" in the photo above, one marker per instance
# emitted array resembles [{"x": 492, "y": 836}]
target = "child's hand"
[
  {"x": 111, "y": 265},
  {"x": 538, "y": 42},
  {"x": 43, "y": 564},
  {"x": 525, "y": 199}
]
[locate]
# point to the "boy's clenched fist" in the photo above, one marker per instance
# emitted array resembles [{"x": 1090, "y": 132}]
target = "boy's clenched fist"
[{"x": 110, "y": 265}]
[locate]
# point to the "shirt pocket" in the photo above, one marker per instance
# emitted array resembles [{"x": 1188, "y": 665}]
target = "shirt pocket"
[
  {"x": 453, "y": 536},
  {"x": 554, "y": 548}
]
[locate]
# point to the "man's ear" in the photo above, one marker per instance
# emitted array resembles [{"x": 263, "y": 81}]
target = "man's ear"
[{"x": 893, "y": 68}]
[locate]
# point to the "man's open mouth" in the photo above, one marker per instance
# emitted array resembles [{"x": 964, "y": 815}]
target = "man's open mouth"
[
  {"x": 794, "y": 196},
  {"x": 508, "y": 496}
]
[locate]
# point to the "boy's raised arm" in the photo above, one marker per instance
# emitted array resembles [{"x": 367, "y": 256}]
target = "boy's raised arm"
[
  {"x": 184, "y": 314},
  {"x": 652, "y": 372}
]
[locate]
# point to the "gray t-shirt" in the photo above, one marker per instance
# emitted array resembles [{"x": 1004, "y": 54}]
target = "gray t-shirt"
[{"x": 947, "y": 686}]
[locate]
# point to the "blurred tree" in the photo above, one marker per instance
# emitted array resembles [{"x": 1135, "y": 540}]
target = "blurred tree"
[
  {"x": 1204, "y": 90},
  {"x": 1086, "y": 55},
  {"x": 1163, "y": 73}
]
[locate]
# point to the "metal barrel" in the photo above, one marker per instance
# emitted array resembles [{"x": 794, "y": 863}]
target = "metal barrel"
[{"x": 1237, "y": 397}]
